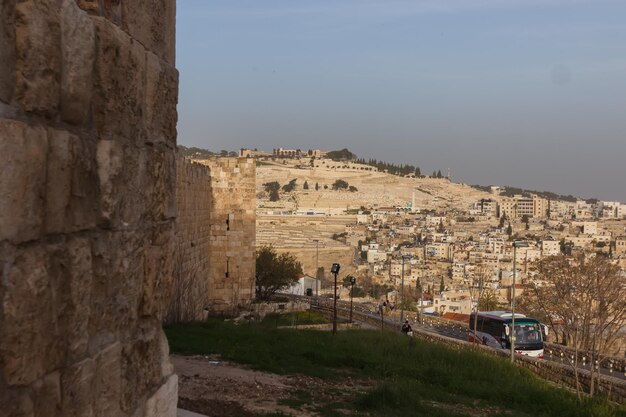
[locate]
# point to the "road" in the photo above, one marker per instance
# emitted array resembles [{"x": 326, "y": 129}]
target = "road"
[{"x": 458, "y": 331}]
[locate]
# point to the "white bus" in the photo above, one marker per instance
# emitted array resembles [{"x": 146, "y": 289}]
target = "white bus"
[{"x": 493, "y": 328}]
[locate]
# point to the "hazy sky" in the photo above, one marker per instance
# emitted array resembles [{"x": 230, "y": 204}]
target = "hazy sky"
[{"x": 529, "y": 93}]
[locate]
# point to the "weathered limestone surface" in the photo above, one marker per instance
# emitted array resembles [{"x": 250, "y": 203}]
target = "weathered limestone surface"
[
  {"x": 216, "y": 231},
  {"x": 88, "y": 98}
]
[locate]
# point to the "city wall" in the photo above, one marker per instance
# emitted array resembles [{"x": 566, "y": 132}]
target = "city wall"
[
  {"x": 88, "y": 94},
  {"x": 216, "y": 211}
]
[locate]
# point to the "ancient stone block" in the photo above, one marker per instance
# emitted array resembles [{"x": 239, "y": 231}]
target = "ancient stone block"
[
  {"x": 159, "y": 184},
  {"x": 38, "y": 59},
  {"x": 84, "y": 201},
  {"x": 77, "y": 383},
  {"x": 117, "y": 259},
  {"x": 47, "y": 396},
  {"x": 59, "y": 179},
  {"x": 78, "y": 295},
  {"x": 141, "y": 363},
  {"x": 119, "y": 84},
  {"x": 72, "y": 185},
  {"x": 161, "y": 100},
  {"x": 108, "y": 382},
  {"x": 121, "y": 172},
  {"x": 7, "y": 50},
  {"x": 158, "y": 271},
  {"x": 78, "y": 53},
  {"x": 31, "y": 345},
  {"x": 23, "y": 152},
  {"x": 153, "y": 23},
  {"x": 16, "y": 402},
  {"x": 163, "y": 403}
]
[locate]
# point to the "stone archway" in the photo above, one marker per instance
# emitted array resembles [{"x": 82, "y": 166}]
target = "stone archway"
[{"x": 88, "y": 93}]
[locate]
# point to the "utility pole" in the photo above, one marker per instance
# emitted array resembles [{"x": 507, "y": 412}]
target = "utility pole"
[
  {"x": 352, "y": 282},
  {"x": 335, "y": 270},
  {"x": 515, "y": 246},
  {"x": 402, "y": 296},
  {"x": 317, "y": 265}
]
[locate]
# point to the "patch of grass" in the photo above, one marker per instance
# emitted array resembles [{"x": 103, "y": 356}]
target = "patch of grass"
[
  {"x": 298, "y": 399},
  {"x": 295, "y": 318},
  {"x": 409, "y": 378}
]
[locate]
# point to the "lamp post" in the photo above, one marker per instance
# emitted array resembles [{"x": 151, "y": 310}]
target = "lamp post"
[
  {"x": 352, "y": 282},
  {"x": 515, "y": 246},
  {"x": 402, "y": 295},
  {"x": 335, "y": 270},
  {"x": 317, "y": 265},
  {"x": 421, "y": 304}
]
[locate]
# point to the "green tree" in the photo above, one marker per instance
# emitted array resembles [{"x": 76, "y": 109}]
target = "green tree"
[
  {"x": 274, "y": 271},
  {"x": 502, "y": 220},
  {"x": 352, "y": 189},
  {"x": 442, "y": 285},
  {"x": 271, "y": 186},
  {"x": 509, "y": 230},
  {"x": 340, "y": 185},
  {"x": 342, "y": 155},
  {"x": 317, "y": 186},
  {"x": 305, "y": 186},
  {"x": 290, "y": 186},
  {"x": 488, "y": 301},
  {"x": 441, "y": 228}
]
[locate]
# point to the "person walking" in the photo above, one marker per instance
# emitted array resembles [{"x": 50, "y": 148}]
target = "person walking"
[{"x": 406, "y": 328}]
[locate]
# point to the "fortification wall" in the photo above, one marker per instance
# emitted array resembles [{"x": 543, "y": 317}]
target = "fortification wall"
[
  {"x": 193, "y": 215},
  {"x": 88, "y": 94},
  {"x": 217, "y": 216},
  {"x": 232, "y": 262}
]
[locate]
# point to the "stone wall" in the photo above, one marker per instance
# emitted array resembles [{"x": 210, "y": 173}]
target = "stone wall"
[
  {"x": 217, "y": 222},
  {"x": 193, "y": 216},
  {"x": 88, "y": 94}
]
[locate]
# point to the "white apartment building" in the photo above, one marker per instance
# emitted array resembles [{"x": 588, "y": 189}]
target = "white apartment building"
[
  {"x": 550, "y": 247},
  {"x": 586, "y": 227},
  {"x": 453, "y": 302},
  {"x": 620, "y": 245}
]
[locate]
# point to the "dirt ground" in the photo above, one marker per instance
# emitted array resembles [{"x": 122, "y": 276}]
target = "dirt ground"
[{"x": 210, "y": 386}]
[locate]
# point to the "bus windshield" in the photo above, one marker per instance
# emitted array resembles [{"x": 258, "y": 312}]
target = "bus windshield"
[{"x": 528, "y": 333}]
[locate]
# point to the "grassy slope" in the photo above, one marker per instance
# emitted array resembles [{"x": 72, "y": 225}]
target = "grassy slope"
[{"x": 410, "y": 377}]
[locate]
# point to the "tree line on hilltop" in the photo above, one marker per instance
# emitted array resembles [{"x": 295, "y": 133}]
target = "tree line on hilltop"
[
  {"x": 390, "y": 168},
  {"x": 513, "y": 191},
  {"x": 194, "y": 152}
]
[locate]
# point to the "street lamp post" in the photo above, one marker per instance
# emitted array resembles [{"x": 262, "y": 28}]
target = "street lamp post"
[
  {"x": 352, "y": 282},
  {"x": 515, "y": 246},
  {"x": 421, "y": 304},
  {"x": 335, "y": 270},
  {"x": 317, "y": 265},
  {"x": 402, "y": 295}
]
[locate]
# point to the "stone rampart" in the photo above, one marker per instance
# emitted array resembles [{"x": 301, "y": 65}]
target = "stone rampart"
[
  {"x": 88, "y": 94},
  {"x": 232, "y": 261},
  {"x": 216, "y": 229}
]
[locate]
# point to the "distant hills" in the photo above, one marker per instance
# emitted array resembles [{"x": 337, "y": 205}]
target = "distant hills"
[{"x": 395, "y": 169}]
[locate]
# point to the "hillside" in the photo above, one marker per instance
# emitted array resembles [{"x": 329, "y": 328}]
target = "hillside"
[
  {"x": 296, "y": 233},
  {"x": 374, "y": 188}
]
